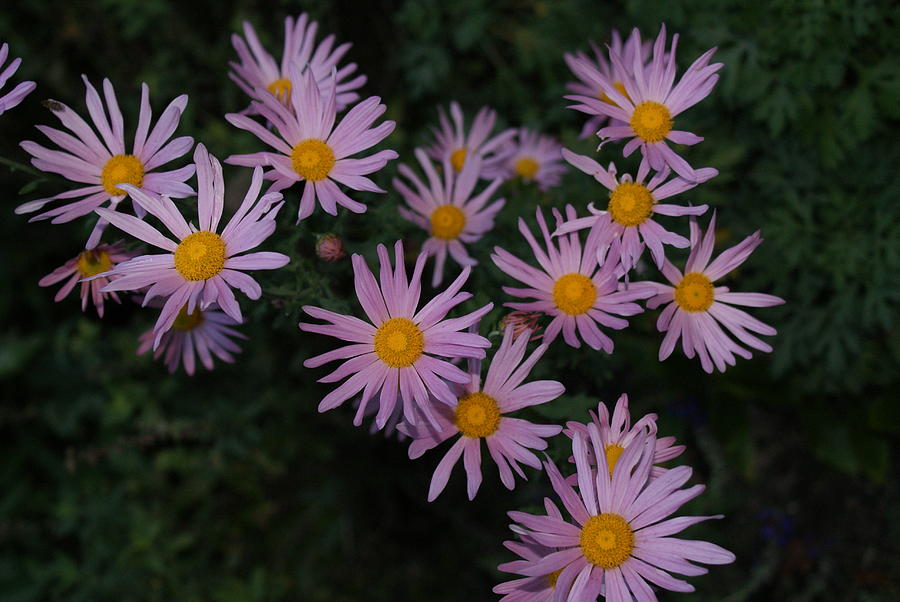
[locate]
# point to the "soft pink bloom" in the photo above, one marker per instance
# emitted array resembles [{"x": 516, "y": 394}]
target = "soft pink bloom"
[
  {"x": 523, "y": 322},
  {"x": 103, "y": 164},
  {"x": 452, "y": 142},
  {"x": 17, "y": 94},
  {"x": 628, "y": 215},
  {"x": 618, "y": 537},
  {"x": 258, "y": 73},
  {"x": 570, "y": 287},
  {"x": 449, "y": 210},
  {"x": 480, "y": 414},
  {"x": 330, "y": 247},
  {"x": 697, "y": 310},
  {"x": 397, "y": 351},
  {"x": 311, "y": 148},
  {"x": 89, "y": 262},
  {"x": 203, "y": 333},
  {"x": 651, "y": 102},
  {"x": 533, "y": 157},
  {"x": 203, "y": 266}
]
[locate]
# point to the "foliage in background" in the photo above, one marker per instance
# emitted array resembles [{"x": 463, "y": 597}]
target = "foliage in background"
[{"x": 122, "y": 482}]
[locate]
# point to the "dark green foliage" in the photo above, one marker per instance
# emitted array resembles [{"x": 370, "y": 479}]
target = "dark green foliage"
[{"x": 121, "y": 482}]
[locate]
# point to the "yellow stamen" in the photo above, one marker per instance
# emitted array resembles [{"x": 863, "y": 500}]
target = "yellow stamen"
[
  {"x": 526, "y": 168},
  {"x": 187, "y": 322},
  {"x": 399, "y": 342},
  {"x": 121, "y": 169},
  {"x": 651, "y": 121},
  {"x": 458, "y": 158},
  {"x": 200, "y": 256},
  {"x": 93, "y": 262},
  {"x": 574, "y": 294},
  {"x": 312, "y": 159},
  {"x": 630, "y": 204},
  {"x": 553, "y": 577},
  {"x": 607, "y": 540},
  {"x": 477, "y": 415},
  {"x": 620, "y": 87},
  {"x": 695, "y": 292},
  {"x": 280, "y": 89},
  {"x": 613, "y": 451},
  {"x": 447, "y": 221}
]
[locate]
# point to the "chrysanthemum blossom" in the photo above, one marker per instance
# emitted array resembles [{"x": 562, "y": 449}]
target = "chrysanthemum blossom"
[
  {"x": 697, "y": 310},
  {"x": 201, "y": 268},
  {"x": 618, "y": 433},
  {"x": 103, "y": 163},
  {"x": 592, "y": 70},
  {"x": 632, "y": 204},
  {"x": 258, "y": 73},
  {"x": 449, "y": 210},
  {"x": 533, "y": 157},
  {"x": 570, "y": 287},
  {"x": 310, "y": 148},
  {"x": 201, "y": 333},
  {"x": 618, "y": 535},
  {"x": 401, "y": 350},
  {"x": 651, "y": 103},
  {"x": 86, "y": 264},
  {"x": 23, "y": 89},
  {"x": 480, "y": 414},
  {"x": 454, "y": 144}
]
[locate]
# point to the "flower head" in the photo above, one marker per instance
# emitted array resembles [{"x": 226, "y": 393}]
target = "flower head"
[
  {"x": 330, "y": 247},
  {"x": 23, "y": 89},
  {"x": 452, "y": 142},
  {"x": 103, "y": 163},
  {"x": 398, "y": 350},
  {"x": 311, "y": 148},
  {"x": 533, "y": 157},
  {"x": 523, "y": 322},
  {"x": 570, "y": 287},
  {"x": 449, "y": 211},
  {"x": 531, "y": 589},
  {"x": 203, "y": 266},
  {"x": 86, "y": 264},
  {"x": 480, "y": 414}
]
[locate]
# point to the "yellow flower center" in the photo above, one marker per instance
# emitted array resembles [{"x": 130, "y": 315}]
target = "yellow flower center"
[
  {"x": 121, "y": 169},
  {"x": 187, "y": 321},
  {"x": 280, "y": 89},
  {"x": 312, "y": 159},
  {"x": 613, "y": 451},
  {"x": 695, "y": 292},
  {"x": 607, "y": 540},
  {"x": 553, "y": 577},
  {"x": 574, "y": 294},
  {"x": 618, "y": 86},
  {"x": 526, "y": 167},
  {"x": 200, "y": 255},
  {"x": 93, "y": 262},
  {"x": 447, "y": 221},
  {"x": 477, "y": 415},
  {"x": 458, "y": 159},
  {"x": 630, "y": 204},
  {"x": 651, "y": 121},
  {"x": 399, "y": 342}
]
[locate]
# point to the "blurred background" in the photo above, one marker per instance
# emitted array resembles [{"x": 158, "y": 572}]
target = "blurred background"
[{"x": 122, "y": 482}]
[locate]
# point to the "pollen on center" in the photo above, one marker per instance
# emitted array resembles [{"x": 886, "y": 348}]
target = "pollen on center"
[
  {"x": 200, "y": 256},
  {"x": 447, "y": 221},
  {"x": 477, "y": 415},
  {"x": 312, "y": 159},
  {"x": 399, "y": 342},
  {"x": 574, "y": 294},
  {"x": 121, "y": 169}
]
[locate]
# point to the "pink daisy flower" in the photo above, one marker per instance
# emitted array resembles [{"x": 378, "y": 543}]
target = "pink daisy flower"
[
  {"x": 591, "y": 71},
  {"x": 533, "y": 157},
  {"x": 480, "y": 414},
  {"x": 17, "y": 94},
  {"x": 203, "y": 333},
  {"x": 449, "y": 211},
  {"x": 258, "y": 71},
  {"x": 103, "y": 164},
  {"x": 311, "y": 148},
  {"x": 697, "y": 310},
  {"x": 452, "y": 142},
  {"x": 202, "y": 267},
  {"x": 617, "y": 539},
  {"x": 570, "y": 287},
  {"x": 88, "y": 263},
  {"x": 651, "y": 102},
  {"x": 628, "y": 216},
  {"x": 398, "y": 350}
]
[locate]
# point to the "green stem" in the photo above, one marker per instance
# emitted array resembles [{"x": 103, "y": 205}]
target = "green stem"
[{"x": 15, "y": 165}]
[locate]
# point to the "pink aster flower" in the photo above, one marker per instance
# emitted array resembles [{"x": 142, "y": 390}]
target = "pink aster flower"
[
  {"x": 258, "y": 72},
  {"x": 480, "y": 414},
  {"x": 88, "y": 263},
  {"x": 697, "y": 310},
  {"x": 203, "y": 266},
  {"x": 570, "y": 287},
  {"x": 311, "y": 148},
  {"x": 398, "y": 350},
  {"x": 449, "y": 211},
  {"x": 628, "y": 216},
  {"x": 533, "y": 157},
  {"x": 651, "y": 102},
  {"x": 618, "y": 535},
  {"x": 203, "y": 333},
  {"x": 452, "y": 142},
  {"x": 103, "y": 164},
  {"x": 17, "y": 94}
]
